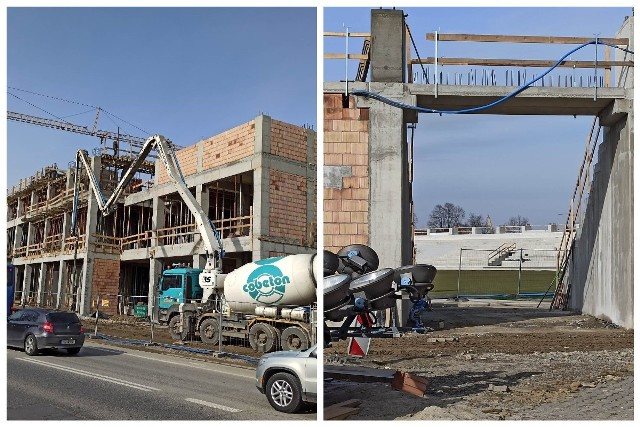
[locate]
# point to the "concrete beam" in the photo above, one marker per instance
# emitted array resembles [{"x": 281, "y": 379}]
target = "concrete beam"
[
  {"x": 533, "y": 101},
  {"x": 208, "y": 176},
  {"x": 614, "y": 112}
]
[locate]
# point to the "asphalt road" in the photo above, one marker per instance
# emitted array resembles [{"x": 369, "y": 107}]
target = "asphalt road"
[{"x": 109, "y": 383}]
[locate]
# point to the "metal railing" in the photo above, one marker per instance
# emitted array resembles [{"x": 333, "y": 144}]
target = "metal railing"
[{"x": 515, "y": 70}]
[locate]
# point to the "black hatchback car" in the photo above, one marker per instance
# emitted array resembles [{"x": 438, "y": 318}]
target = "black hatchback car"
[{"x": 34, "y": 329}]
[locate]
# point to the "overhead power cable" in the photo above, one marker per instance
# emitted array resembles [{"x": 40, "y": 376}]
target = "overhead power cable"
[
  {"x": 522, "y": 88},
  {"x": 71, "y": 102},
  {"x": 35, "y": 106}
]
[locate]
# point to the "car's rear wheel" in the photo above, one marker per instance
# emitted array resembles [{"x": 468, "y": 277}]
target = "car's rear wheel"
[
  {"x": 74, "y": 350},
  {"x": 30, "y": 345},
  {"x": 284, "y": 392}
]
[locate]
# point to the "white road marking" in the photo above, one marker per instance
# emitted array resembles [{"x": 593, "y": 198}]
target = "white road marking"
[
  {"x": 91, "y": 374},
  {"x": 194, "y": 365},
  {"x": 213, "y": 405}
]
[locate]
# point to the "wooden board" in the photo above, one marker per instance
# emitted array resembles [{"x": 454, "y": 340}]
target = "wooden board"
[
  {"x": 522, "y": 39},
  {"x": 342, "y": 410}
]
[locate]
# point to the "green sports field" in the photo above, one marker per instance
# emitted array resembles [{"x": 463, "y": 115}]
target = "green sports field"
[{"x": 491, "y": 282}]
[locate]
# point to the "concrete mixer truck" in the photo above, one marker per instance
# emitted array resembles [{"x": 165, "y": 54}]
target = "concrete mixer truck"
[{"x": 268, "y": 302}]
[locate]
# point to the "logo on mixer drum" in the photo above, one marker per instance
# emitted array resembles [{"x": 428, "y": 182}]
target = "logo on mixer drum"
[{"x": 266, "y": 284}]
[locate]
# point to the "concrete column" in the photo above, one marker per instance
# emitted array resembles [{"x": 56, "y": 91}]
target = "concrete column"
[
  {"x": 42, "y": 277},
  {"x": 202, "y": 197},
  {"x": 28, "y": 272},
  {"x": 390, "y": 195},
  {"x": 155, "y": 271},
  {"x": 86, "y": 278},
  {"x": 20, "y": 210},
  {"x": 261, "y": 182},
  {"x": 312, "y": 186},
  {"x": 155, "y": 264},
  {"x": 17, "y": 237},
  {"x": 66, "y": 228},
  {"x": 390, "y": 189},
  {"x": 62, "y": 279},
  {"x": 30, "y": 227},
  {"x": 388, "y": 53}
]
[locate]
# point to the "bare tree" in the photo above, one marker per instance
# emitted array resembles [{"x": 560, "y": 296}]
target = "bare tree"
[
  {"x": 518, "y": 220},
  {"x": 476, "y": 220},
  {"x": 485, "y": 225},
  {"x": 447, "y": 216}
]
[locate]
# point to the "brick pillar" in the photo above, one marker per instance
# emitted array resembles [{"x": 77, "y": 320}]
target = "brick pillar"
[{"x": 106, "y": 283}]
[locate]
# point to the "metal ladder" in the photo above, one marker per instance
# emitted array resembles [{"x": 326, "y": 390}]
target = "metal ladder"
[{"x": 563, "y": 285}]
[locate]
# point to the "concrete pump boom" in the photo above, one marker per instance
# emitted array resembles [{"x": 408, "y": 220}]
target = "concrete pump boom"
[{"x": 210, "y": 236}]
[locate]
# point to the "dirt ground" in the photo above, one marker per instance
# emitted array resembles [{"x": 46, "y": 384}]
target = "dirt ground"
[
  {"x": 127, "y": 328},
  {"x": 540, "y": 355}
]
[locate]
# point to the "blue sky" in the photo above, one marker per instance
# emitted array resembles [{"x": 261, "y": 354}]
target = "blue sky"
[
  {"x": 502, "y": 166},
  {"x": 186, "y": 73}
]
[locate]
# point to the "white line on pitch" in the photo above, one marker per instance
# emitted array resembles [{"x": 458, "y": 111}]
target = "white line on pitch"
[
  {"x": 213, "y": 405},
  {"x": 91, "y": 375}
]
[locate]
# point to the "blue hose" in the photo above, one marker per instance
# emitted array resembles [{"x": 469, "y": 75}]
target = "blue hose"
[{"x": 482, "y": 107}]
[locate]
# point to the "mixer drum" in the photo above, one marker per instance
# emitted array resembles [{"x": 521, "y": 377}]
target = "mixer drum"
[
  {"x": 374, "y": 284},
  {"x": 330, "y": 263},
  {"x": 288, "y": 280},
  {"x": 336, "y": 290}
]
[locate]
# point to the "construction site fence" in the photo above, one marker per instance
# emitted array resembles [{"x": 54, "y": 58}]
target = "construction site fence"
[
  {"x": 509, "y": 273},
  {"x": 271, "y": 334}
]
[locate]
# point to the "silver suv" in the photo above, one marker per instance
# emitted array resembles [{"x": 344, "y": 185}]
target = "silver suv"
[{"x": 288, "y": 378}]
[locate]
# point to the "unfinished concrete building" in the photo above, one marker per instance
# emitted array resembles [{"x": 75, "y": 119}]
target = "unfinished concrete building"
[
  {"x": 257, "y": 182},
  {"x": 368, "y": 160}
]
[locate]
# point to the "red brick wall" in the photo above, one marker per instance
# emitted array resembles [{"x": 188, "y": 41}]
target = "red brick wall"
[
  {"x": 229, "y": 146},
  {"x": 106, "y": 281},
  {"x": 288, "y": 206},
  {"x": 346, "y": 143},
  {"x": 288, "y": 141},
  {"x": 188, "y": 160}
]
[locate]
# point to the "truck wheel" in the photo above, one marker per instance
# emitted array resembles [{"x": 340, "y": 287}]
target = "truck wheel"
[
  {"x": 174, "y": 329},
  {"x": 294, "y": 338},
  {"x": 284, "y": 392},
  {"x": 263, "y": 337},
  {"x": 209, "y": 331}
]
